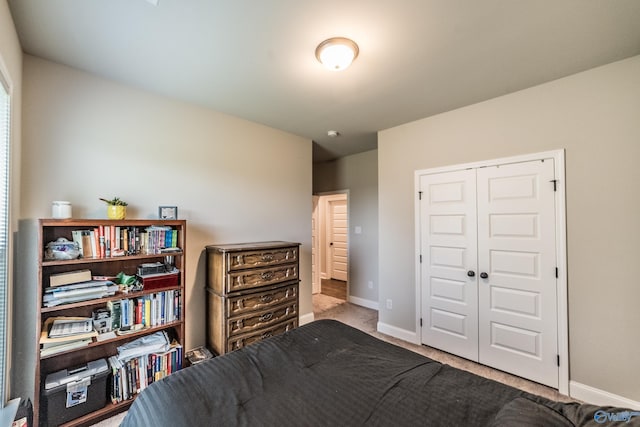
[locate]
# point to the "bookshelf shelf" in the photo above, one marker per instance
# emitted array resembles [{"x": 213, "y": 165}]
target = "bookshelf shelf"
[
  {"x": 110, "y": 259},
  {"x": 101, "y": 414},
  {"x": 50, "y": 230},
  {"x": 118, "y": 339},
  {"x": 103, "y": 301}
]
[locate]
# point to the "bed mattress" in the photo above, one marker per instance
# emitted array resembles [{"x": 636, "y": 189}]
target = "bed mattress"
[{"x": 329, "y": 374}]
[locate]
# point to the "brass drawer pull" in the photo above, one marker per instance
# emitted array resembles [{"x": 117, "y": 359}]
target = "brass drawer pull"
[
  {"x": 267, "y": 257},
  {"x": 266, "y": 335},
  {"x": 267, "y": 275},
  {"x": 266, "y": 317},
  {"x": 266, "y": 298}
]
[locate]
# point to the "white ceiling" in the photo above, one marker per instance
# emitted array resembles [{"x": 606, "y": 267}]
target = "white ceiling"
[{"x": 255, "y": 58}]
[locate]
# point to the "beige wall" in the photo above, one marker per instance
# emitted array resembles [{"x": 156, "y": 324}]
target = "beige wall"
[
  {"x": 595, "y": 116},
  {"x": 233, "y": 180},
  {"x": 357, "y": 173}
]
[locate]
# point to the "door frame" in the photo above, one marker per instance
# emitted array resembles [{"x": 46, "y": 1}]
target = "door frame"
[
  {"x": 322, "y": 223},
  {"x": 561, "y": 246},
  {"x": 315, "y": 232}
]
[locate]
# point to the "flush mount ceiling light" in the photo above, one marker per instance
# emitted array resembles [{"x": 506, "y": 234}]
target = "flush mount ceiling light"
[{"x": 337, "y": 53}]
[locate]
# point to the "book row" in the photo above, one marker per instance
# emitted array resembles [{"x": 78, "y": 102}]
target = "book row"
[
  {"x": 106, "y": 241},
  {"x": 132, "y": 376},
  {"x": 146, "y": 311}
]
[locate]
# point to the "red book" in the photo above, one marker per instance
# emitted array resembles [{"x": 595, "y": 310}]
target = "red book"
[
  {"x": 139, "y": 309},
  {"x": 102, "y": 244}
]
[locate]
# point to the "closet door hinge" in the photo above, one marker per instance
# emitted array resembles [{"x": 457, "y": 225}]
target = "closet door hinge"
[
  {"x": 556, "y": 272},
  {"x": 419, "y": 195},
  {"x": 420, "y": 258},
  {"x": 558, "y": 359},
  {"x": 555, "y": 186},
  {"x": 421, "y": 322}
]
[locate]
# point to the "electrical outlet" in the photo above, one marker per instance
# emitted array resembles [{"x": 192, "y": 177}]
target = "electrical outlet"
[
  {"x": 389, "y": 304},
  {"x": 370, "y": 284}
]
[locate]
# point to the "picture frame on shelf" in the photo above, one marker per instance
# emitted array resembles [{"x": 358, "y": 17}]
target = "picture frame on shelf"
[{"x": 168, "y": 212}]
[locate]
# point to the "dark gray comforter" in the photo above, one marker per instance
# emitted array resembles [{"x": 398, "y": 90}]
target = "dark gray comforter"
[{"x": 329, "y": 374}]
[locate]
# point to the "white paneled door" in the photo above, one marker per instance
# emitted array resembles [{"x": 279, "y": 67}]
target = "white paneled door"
[
  {"x": 488, "y": 271},
  {"x": 450, "y": 295},
  {"x": 518, "y": 321},
  {"x": 339, "y": 238}
]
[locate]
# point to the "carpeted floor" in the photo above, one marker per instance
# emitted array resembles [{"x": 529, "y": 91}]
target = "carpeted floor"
[{"x": 365, "y": 319}]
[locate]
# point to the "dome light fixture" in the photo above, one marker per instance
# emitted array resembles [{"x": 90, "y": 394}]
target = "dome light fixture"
[{"x": 337, "y": 53}]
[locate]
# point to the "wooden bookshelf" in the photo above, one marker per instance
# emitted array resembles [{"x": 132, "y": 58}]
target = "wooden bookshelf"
[{"x": 51, "y": 229}]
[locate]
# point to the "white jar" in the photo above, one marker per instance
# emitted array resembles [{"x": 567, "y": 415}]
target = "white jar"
[{"x": 60, "y": 209}]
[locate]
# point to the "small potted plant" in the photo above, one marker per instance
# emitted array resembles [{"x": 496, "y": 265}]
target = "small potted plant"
[{"x": 116, "y": 208}]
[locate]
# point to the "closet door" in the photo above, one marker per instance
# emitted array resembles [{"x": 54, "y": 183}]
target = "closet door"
[
  {"x": 517, "y": 252},
  {"x": 449, "y": 279}
]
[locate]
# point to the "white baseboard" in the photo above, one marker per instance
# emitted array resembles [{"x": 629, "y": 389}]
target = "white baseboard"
[
  {"x": 306, "y": 318},
  {"x": 364, "y": 302},
  {"x": 599, "y": 397},
  {"x": 396, "y": 332}
]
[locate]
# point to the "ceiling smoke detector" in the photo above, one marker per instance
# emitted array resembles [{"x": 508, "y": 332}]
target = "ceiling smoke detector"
[{"x": 333, "y": 134}]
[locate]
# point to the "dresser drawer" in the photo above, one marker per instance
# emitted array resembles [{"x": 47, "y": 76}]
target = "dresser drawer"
[
  {"x": 237, "y": 342},
  {"x": 262, "y": 300},
  {"x": 249, "y": 279},
  {"x": 257, "y": 320},
  {"x": 252, "y": 292},
  {"x": 261, "y": 258}
]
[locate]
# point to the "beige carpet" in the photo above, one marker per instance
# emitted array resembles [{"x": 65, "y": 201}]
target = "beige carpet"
[{"x": 327, "y": 307}]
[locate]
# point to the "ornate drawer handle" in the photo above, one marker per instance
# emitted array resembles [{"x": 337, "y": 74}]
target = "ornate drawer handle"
[
  {"x": 267, "y": 257},
  {"x": 267, "y": 275},
  {"x": 266, "y": 335},
  {"x": 266, "y": 317},
  {"x": 266, "y": 298}
]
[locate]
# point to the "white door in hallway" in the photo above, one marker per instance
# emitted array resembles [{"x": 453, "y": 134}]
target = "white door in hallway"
[
  {"x": 338, "y": 241},
  {"x": 517, "y": 252}
]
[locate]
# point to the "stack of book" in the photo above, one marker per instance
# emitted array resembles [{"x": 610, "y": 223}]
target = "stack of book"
[
  {"x": 76, "y": 286},
  {"x": 142, "y": 362},
  {"x": 65, "y": 333}
]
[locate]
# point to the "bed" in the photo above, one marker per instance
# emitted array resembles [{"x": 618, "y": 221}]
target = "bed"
[{"x": 329, "y": 374}]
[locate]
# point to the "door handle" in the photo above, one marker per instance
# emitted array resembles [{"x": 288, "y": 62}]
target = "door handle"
[
  {"x": 484, "y": 275},
  {"x": 331, "y": 244},
  {"x": 471, "y": 273}
]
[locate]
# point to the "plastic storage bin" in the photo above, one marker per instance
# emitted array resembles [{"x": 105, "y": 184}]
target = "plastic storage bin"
[{"x": 74, "y": 392}]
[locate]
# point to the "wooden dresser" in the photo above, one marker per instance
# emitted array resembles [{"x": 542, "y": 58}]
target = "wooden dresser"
[{"x": 252, "y": 292}]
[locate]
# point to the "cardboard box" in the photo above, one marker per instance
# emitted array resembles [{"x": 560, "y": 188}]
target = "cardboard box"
[{"x": 72, "y": 393}]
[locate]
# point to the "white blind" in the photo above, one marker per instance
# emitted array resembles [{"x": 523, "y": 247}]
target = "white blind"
[{"x": 4, "y": 228}]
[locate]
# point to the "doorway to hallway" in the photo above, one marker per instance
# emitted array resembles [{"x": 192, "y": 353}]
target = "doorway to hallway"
[{"x": 330, "y": 243}]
